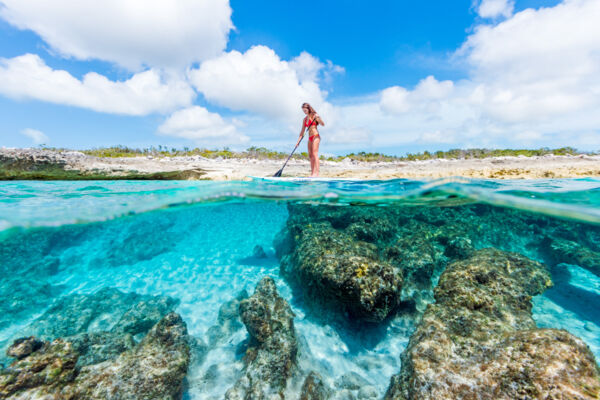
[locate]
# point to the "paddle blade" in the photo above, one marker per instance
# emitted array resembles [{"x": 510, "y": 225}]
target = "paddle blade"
[{"x": 278, "y": 173}]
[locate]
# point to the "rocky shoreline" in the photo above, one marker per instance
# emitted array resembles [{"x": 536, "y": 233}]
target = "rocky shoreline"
[{"x": 73, "y": 165}]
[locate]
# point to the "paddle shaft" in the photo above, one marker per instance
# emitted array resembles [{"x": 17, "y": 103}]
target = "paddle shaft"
[{"x": 290, "y": 156}]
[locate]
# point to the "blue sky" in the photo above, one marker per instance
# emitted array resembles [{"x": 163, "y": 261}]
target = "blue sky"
[{"x": 391, "y": 76}]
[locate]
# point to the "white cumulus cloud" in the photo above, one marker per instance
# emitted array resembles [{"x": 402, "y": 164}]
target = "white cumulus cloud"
[
  {"x": 202, "y": 126},
  {"x": 28, "y": 77},
  {"x": 258, "y": 81},
  {"x": 131, "y": 33},
  {"x": 495, "y": 8},
  {"x": 539, "y": 64},
  {"x": 428, "y": 94},
  {"x": 38, "y": 137},
  {"x": 533, "y": 80}
]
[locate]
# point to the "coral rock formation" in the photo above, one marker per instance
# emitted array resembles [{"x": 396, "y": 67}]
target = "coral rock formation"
[
  {"x": 332, "y": 265},
  {"x": 570, "y": 252},
  {"x": 154, "y": 369},
  {"x": 270, "y": 359},
  {"x": 479, "y": 341}
]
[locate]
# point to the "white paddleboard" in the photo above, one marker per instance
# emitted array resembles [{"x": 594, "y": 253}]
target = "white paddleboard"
[{"x": 297, "y": 179}]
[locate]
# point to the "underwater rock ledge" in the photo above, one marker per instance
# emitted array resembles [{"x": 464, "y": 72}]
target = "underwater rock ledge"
[
  {"x": 478, "y": 339},
  {"x": 335, "y": 268},
  {"x": 367, "y": 261},
  {"x": 154, "y": 369}
]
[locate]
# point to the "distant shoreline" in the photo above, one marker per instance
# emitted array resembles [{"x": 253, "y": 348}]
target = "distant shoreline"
[{"x": 74, "y": 165}]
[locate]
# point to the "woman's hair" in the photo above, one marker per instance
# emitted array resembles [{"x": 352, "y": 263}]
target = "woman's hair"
[{"x": 310, "y": 109}]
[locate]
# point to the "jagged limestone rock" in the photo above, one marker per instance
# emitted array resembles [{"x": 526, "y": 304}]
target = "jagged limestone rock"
[
  {"x": 331, "y": 266},
  {"x": 154, "y": 369},
  {"x": 478, "y": 339},
  {"x": 97, "y": 347},
  {"x": 41, "y": 374},
  {"x": 270, "y": 359},
  {"x": 23, "y": 347}
]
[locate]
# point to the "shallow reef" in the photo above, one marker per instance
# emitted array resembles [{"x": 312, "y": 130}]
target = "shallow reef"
[
  {"x": 367, "y": 261},
  {"x": 85, "y": 348},
  {"x": 417, "y": 302},
  {"x": 105, "y": 310},
  {"x": 100, "y": 325},
  {"x": 476, "y": 337}
]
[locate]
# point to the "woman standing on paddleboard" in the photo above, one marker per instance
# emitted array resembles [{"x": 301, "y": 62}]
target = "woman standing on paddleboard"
[{"x": 311, "y": 121}]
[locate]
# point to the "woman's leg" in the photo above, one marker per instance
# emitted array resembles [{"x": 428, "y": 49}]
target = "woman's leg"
[
  {"x": 311, "y": 157},
  {"x": 315, "y": 155}
]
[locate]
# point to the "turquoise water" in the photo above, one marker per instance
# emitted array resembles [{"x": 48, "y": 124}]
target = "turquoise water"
[{"x": 195, "y": 242}]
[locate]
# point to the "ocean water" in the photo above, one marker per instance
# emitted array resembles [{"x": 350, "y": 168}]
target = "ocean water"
[{"x": 196, "y": 242}]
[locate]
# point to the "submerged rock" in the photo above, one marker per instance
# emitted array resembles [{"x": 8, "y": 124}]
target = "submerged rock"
[
  {"x": 228, "y": 321},
  {"x": 270, "y": 359},
  {"x": 106, "y": 310},
  {"x": 154, "y": 369},
  {"x": 23, "y": 347},
  {"x": 43, "y": 373},
  {"x": 97, "y": 347},
  {"x": 331, "y": 266},
  {"x": 314, "y": 388},
  {"x": 570, "y": 252},
  {"x": 368, "y": 260},
  {"x": 259, "y": 252},
  {"x": 21, "y": 296},
  {"x": 419, "y": 256},
  {"x": 478, "y": 339},
  {"x": 351, "y": 381}
]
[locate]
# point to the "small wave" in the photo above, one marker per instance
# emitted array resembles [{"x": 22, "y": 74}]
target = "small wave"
[
  {"x": 92, "y": 188},
  {"x": 69, "y": 202}
]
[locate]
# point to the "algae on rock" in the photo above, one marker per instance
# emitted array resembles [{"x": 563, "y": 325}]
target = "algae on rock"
[
  {"x": 321, "y": 252},
  {"x": 270, "y": 360},
  {"x": 478, "y": 339},
  {"x": 154, "y": 369}
]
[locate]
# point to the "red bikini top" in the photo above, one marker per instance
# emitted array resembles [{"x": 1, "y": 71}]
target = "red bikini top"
[{"x": 314, "y": 121}]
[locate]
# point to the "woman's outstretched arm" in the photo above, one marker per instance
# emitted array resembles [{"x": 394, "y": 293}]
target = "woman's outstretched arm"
[{"x": 301, "y": 133}]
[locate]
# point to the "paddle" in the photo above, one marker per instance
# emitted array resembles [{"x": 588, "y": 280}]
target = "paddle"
[{"x": 278, "y": 173}]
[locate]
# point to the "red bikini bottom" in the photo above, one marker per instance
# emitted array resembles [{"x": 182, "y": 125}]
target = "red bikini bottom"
[{"x": 311, "y": 138}]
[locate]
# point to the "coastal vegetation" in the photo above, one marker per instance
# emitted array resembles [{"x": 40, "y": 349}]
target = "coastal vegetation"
[{"x": 262, "y": 153}]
